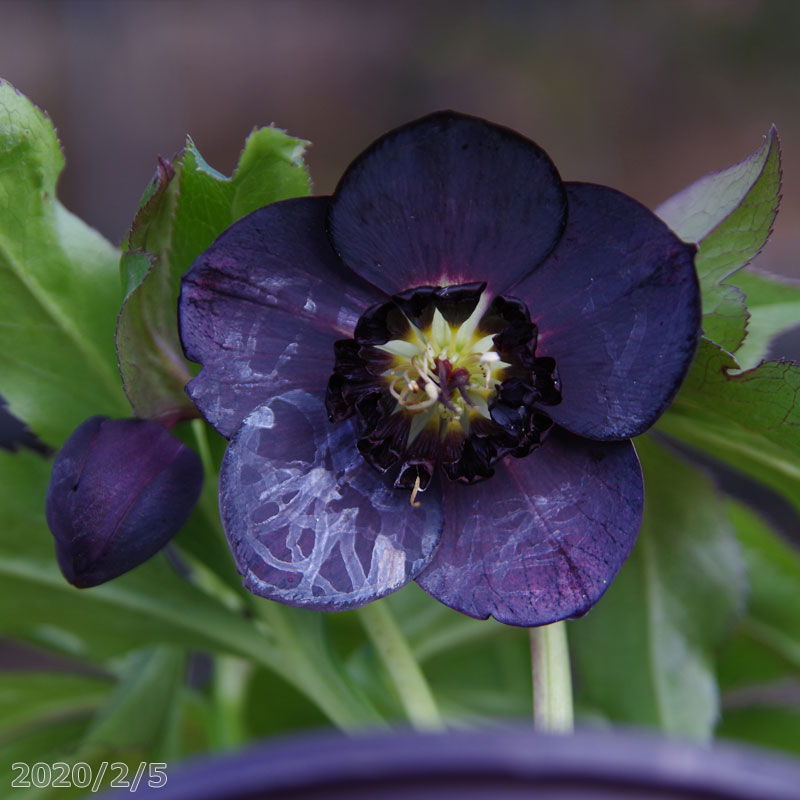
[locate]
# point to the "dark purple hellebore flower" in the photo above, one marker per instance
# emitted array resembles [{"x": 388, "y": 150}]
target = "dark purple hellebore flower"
[
  {"x": 434, "y": 375},
  {"x": 120, "y": 489}
]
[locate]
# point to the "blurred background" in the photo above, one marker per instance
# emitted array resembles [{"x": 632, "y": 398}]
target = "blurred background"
[{"x": 643, "y": 95}]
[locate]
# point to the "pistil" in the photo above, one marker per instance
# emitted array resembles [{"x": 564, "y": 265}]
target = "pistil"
[{"x": 446, "y": 365}]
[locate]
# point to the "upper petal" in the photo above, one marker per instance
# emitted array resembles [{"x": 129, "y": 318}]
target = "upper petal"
[
  {"x": 261, "y": 308},
  {"x": 309, "y": 522},
  {"x": 542, "y": 539},
  {"x": 445, "y": 200},
  {"x": 618, "y": 307}
]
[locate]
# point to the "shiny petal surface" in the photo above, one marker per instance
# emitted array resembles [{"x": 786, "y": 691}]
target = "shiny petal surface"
[
  {"x": 618, "y": 307},
  {"x": 309, "y": 522},
  {"x": 542, "y": 539},
  {"x": 119, "y": 491},
  {"x": 448, "y": 199},
  {"x": 261, "y": 308}
]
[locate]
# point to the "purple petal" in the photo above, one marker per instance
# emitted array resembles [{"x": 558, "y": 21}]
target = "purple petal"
[
  {"x": 309, "y": 522},
  {"x": 448, "y": 199},
  {"x": 261, "y": 308},
  {"x": 119, "y": 491},
  {"x": 542, "y": 539},
  {"x": 618, "y": 307}
]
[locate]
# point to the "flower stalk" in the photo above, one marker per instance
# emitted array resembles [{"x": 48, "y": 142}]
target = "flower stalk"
[
  {"x": 404, "y": 671},
  {"x": 231, "y": 680},
  {"x": 552, "y": 679}
]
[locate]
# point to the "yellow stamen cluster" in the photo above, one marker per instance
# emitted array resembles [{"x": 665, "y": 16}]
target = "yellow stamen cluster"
[{"x": 445, "y": 373}]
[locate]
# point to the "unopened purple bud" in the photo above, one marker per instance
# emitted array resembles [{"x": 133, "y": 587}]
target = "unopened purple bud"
[{"x": 119, "y": 491}]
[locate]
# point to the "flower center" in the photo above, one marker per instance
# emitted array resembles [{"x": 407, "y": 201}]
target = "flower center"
[{"x": 443, "y": 376}]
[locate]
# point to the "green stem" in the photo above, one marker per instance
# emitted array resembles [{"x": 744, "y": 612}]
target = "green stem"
[
  {"x": 552, "y": 680},
  {"x": 208, "y": 499},
  {"x": 231, "y": 676},
  {"x": 401, "y": 666},
  {"x": 203, "y": 447}
]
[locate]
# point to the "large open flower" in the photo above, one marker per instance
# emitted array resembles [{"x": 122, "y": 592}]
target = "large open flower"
[{"x": 434, "y": 374}]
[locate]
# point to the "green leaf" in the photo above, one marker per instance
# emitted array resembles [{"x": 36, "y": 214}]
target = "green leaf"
[
  {"x": 764, "y": 649},
  {"x": 644, "y": 654},
  {"x": 186, "y": 207},
  {"x": 479, "y": 671},
  {"x": 28, "y": 699},
  {"x": 432, "y": 628},
  {"x": 773, "y": 566},
  {"x": 128, "y": 718},
  {"x": 749, "y": 419},
  {"x": 729, "y": 214},
  {"x": 57, "y": 748},
  {"x": 317, "y": 669},
  {"x": 725, "y": 316},
  {"x": 774, "y": 305},
  {"x": 275, "y": 707},
  {"x": 59, "y": 289},
  {"x": 760, "y": 668},
  {"x": 478, "y": 684},
  {"x": 142, "y": 703},
  {"x": 776, "y": 726},
  {"x": 49, "y": 744}
]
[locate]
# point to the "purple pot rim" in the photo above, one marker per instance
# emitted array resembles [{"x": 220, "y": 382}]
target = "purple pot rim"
[{"x": 628, "y": 760}]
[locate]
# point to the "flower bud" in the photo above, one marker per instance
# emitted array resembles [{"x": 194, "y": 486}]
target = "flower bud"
[{"x": 119, "y": 491}]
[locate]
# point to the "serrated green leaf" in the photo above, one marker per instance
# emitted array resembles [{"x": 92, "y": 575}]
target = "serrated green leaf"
[
  {"x": 270, "y": 168},
  {"x": 59, "y": 289},
  {"x": 749, "y": 419},
  {"x": 725, "y": 316},
  {"x": 729, "y": 213},
  {"x": 644, "y": 654},
  {"x": 186, "y": 207},
  {"x": 774, "y": 305}
]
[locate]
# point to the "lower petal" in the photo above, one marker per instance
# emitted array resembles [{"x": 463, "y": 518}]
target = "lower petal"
[
  {"x": 543, "y": 538},
  {"x": 309, "y": 522}
]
